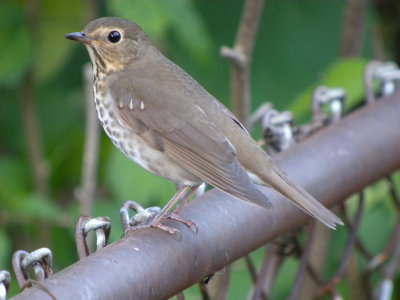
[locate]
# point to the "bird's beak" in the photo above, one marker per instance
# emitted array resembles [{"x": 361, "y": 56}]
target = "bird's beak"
[{"x": 79, "y": 37}]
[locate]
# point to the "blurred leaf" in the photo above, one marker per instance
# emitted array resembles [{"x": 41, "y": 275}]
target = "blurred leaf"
[
  {"x": 63, "y": 247},
  {"x": 190, "y": 28},
  {"x": 344, "y": 73},
  {"x": 149, "y": 14},
  {"x": 158, "y": 17},
  {"x": 111, "y": 210},
  {"x": 284, "y": 281},
  {"x": 15, "y": 192},
  {"x": 296, "y": 40},
  {"x": 240, "y": 280},
  {"x": 57, "y": 18},
  {"x": 379, "y": 215},
  {"x": 348, "y": 74},
  {"x": 15, "y": 48},
  {"x": 41, "y": 207},
  {"x": 5, "y": 248},
  {"x": 16, "y": 200},
  {"x": 128, "y": 181},
  {"x": 379, "y": 209},
  {"x": 13, "y": 182}
]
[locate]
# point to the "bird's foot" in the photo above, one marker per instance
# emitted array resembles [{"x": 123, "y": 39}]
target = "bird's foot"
[
  {"x": 152, "y": 217},
  {"x": 190, "y": 224},
  {"x": 143, "y": 215},
  {"x": 154, "y": 221}
]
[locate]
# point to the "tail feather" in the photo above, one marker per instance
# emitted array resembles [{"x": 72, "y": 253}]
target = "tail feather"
[{"x": 279, "y": 181}]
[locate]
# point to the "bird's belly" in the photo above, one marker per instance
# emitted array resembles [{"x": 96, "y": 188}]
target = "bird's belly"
[{"x": 141, "y": 153}]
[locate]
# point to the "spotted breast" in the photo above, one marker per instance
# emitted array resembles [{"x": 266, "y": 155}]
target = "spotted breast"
[{"x": 133, "y": 146}]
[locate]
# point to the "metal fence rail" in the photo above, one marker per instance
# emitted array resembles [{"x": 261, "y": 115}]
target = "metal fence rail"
[{"x": 332, "y": 164}]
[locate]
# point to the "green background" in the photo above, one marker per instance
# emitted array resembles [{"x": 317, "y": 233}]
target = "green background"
[{"x": 298, "y": 48}]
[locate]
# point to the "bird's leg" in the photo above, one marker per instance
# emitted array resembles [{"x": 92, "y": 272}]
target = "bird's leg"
[
  {"x": 174, "y": 215},
  {"x": 180, "y": 198},
  {"x": 185, "y": 198}
]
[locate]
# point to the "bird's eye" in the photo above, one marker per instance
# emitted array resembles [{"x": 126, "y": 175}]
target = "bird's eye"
[{"x": 114, "y": 36}]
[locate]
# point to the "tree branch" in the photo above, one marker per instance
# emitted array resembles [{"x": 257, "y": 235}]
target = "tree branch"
[
  {"x": 241, "y": 55},
  {"x": 39, "y": 166},
  {"x": 354, "y": 25},
  {"x": 87, "y": 191}
]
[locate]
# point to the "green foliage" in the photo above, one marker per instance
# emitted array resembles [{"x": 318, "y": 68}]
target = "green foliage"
[
  {"x": 16, "y": 195},
  {"x": 15, "y": 47},
  {"x": 345, "y": 73},
  {"x": 43, "y": 48},
  {"x": 14, "y": 183},
  {"x": 56, "y": 18},
  {"x": 157, "y": 18},
  {"x": 41, "y": 208},
  {"x": 296, "y": 42},
  {"x": 127, "y": 181},
  {"x": 5, "y": 247}
]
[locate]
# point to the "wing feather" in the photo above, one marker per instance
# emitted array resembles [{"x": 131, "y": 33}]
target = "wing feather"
[{"x": 189, "y": 138}]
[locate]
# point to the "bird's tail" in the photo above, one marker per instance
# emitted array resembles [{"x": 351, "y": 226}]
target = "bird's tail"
[{"x": 279, "y": 181}]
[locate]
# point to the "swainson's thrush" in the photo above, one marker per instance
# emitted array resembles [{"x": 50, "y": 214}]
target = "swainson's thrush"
[{"x": 163, "y": 120}]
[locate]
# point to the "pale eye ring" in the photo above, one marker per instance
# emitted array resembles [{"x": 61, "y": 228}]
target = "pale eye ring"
[{"x": 114, "y": 36}]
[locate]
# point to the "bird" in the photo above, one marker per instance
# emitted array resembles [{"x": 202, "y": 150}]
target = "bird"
[{"x": 166, "y": 122}]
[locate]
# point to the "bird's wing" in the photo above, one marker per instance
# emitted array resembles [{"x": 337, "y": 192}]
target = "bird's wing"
[{"x": 187, "y": 136}]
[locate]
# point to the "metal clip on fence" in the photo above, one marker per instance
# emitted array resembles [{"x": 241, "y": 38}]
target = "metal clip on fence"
[
  {"x": 257, "y": 115},
  {"x": 39, "y": 260},
  {"x": 142, "y": 214},
  {"x": 5, "y": 280},
  {"x": 100, "y": 225},
  {"x": 333, "y": 99},
  {"x": 389, "y": 76},
  {"x": 278, "y": 129},
  {"x": 386, "y": 74}
]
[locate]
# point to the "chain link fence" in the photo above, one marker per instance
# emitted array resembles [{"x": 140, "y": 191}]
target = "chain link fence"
[{"x": 150, "y": 264}]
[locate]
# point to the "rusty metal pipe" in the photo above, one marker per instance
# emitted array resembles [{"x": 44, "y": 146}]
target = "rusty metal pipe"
[{"x": 333, "y": 164}]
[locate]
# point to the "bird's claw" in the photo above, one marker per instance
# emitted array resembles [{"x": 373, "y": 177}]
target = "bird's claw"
[
  {"x": 154, "y": 220},
  {"x": 190, "y": 224}
]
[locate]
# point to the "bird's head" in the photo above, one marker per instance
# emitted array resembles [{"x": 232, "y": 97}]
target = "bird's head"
[{"x": 112, "y": 43}]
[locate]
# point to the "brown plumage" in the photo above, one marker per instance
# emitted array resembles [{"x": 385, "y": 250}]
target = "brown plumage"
[{"x": 162, "y": 119}]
